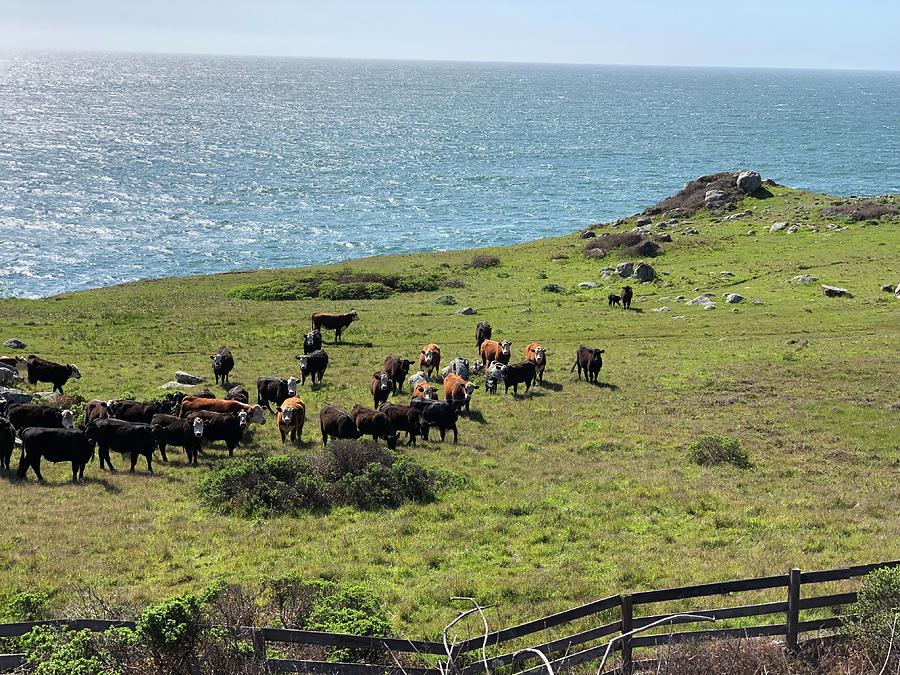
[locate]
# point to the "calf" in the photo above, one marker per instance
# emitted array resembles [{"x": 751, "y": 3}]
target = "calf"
[
  {"x": 404, "y": 418},
  {"x": 381, "y": 387},
  {"x": 397, "y": 369},
  {"x": 458, "y": 391},
  {"x": 238, "y": 393},
  {"x": 9, "y": 376},
  {"x": 312, "y": 341},
  {"x": 518, "y": 373},
  {"x": 491, "y": 350},
  {"x": 440, "y": 414},
  {"x": 225, "y": 427},
  {"x": 494, "y": 375},
  {"x": 336, "y": 322},
  {"x": 482, "y": 333},
  {"x": 96, "y": 410},
  {"x": 425, "y": 390},
  {"x": 191, "y": 404},
  {"x": 336, "y": 423},
  {"x": 429, "y": 358},
  {"x": 222, "y": 364},
  {"x": 274, "y": 390},
  {"x": 538, "y": 356},
  {"x": 589, "y": 360},
  {"x": 57, "y": 374},
  {"x": 27, "y": 415},
  {"x": 458, "y": 366},
  {"x": 614, "y": 299},
  {"x": 313, "y": 366},
  {"x": 7, "y": 442},
  {"x": 122, "y": 437},
  {"x": 627, "y": 294},
  {"x": 376, "y": 424},
  {"x": 55, "y": 445},
  {"x": 171, "y": 430},
  {"x": 291, "y": 417}
]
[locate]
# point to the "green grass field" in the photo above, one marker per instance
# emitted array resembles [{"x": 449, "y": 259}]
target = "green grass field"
[{"x": 571, "y": 493}]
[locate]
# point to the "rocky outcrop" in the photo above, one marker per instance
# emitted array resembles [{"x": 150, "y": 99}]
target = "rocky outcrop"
[
  {"x": 15, "y": 396},
  {"x": 13, "y": 343},
  {"x": 805, "y": 279},
  {"x": 625, "y": 269},
  {"x": 715, "y": 199},
  {"x": 778, "y": 227},
  {"x": 186, "y": 378},
  {"x": 644, "y": 272},
  {"x": 748, "y": 181},
  {"x": 733, "y": 298}
]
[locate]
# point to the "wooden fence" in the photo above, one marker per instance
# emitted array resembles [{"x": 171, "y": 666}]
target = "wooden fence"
[{"x": 564, "y": 652}]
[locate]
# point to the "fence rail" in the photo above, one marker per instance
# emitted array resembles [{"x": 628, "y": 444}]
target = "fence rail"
[{"x": 624, "y": 629}]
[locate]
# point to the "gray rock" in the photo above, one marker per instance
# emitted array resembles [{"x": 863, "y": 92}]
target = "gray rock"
[
  {"x": 527, "y": 310},
  {"x": 793, "y": 229},
  {"x": 662, "y": 309},
  {"x": 748, "y": 181},
  {"x": 176, "y": 385},
  {"x": 756, "y": 302},
  {"x": 888, "y": 288},
  {"x": 691, "y": 230},
  {"x": 12, "y": 343},
  {"x": 643, "y": 221},
  {"x": 726, "y": 274},
  {"x": 709, "y": 305},
  {"x": 607, "y": 275},
  {"x": 733, "y": 298},
  {"x": 588, "y": 234},
  {"x": 835, "y": 292},
  {"x": 715, "y": 198},
  {"x": 468, "y": 311},
  {"x": 587, "y": 284},
  {"x": 736, "y": 216},
  {"x": 625, "y": 269},
  {"x": 700, "y": 300},
  {"x": 644, "y": 272},
  {"x": 679, "y": 298},
  {"x": 186, "y": 378},
  {"x": 778, "y": 227},
  {"x": 751, "y": 233},
  {"x": 596, "y": 253},
  {"x": 804, "y": 279},
  {"x": 9, "y": 376},
  {"x": 15, "y": 396}
]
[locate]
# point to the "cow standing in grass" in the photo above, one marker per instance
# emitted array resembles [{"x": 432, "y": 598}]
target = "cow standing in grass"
[
  {"x": 312, "y": 341},
  {"x": 429, "y": 358},
  {"x": 458, "y": 391},
  {"x": 57, "y": 374},
  {"x": 381, "y": 387},
  {"x": 482, "y": 333},
  {"x": 397, "y": 369},
  {"x": 290, "y": 418},
  {"x": 222, "y": 364},
  {"x": 336, "y": 423},
  {"x": 55, "y": 445},
  {"x": 7, "y": 442},
  {"x": 336, "y": 322},
  {"x": 590, "y": 361},
  {"x": 627, "y": 294},
  {"x": 535, "y": 353},
  {"x": 491, "y": 350}
]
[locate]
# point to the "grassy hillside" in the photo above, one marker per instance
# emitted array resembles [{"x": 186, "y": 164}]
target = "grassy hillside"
[{"x": 570, "y": 493}]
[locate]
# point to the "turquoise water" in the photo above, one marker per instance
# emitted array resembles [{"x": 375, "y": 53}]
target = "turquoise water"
[{"x": 122, "y": 167}]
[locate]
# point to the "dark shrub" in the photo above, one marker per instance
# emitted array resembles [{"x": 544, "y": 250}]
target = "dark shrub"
[
  {"x": 446, "y": 300},
  {"x": 271, "y": 291},
  {"x": 418, "y": 284},
  {"x": 454, "y": 283},
  {"x": 351, "y": 609},
  {"x": 551, "y": 288},
  {"x": 645, "y": 249},
  {"x": 344, "y": 457},
  {"x": 710, "y": 450},
  {"x": 483, "y": 261},
  {"x": 875, "y": 613},
  {"x": 863, "y": 210},
  {"x": 330, "y": 290}
]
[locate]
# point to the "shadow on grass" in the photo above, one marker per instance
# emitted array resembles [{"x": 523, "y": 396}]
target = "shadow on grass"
[
  {"x": 474, "y": 416},
  {"x": 552, "y": 386},
  {"x": 607, "y": 385}
]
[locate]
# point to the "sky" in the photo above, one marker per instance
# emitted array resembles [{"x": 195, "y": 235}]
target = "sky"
[{"x": 861, "y": 34}]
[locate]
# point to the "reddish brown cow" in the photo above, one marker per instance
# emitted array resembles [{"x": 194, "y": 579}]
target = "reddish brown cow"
[
  {"x": 538, "y": 356},
  {"x": 491, "y": 350},
  {"x": 429, "y": 358},
  {"x": 291, "y": 417},
  {"x": 458, "y": 391},
  {"x": 425, "y": 390},
  {"x": 192, "y": 404},
  {"x": 336, "y": 322}
]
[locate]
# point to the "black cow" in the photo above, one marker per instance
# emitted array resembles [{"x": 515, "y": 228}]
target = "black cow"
[
  {"x": 187, "y": 434},
  {"x": 482, "y": 333},
  {"x": 238, "y": 393},
  {"x": 7, "y": 442},
  {"x": 312, "y": 341},
  {"x": 222, "y": 364},
  {"x": 134, "y": 411},
  {"x": 404, "y": 418},
  {"x": 518, "y": 373},
  {"x": 122, "y": 437},
  {"x": 55, "y": 445},
  {"x": 374, "y": 423},
  {"x": 614, "y": 299},
  {"x": 440, "y": 414},
  {"x": 274, "y": 390},
  {"x": 336, "y": 322},
  {"x": 221, "y": 427},
  {"x": 627, "y": 294},
  {"x": 27, "y": 415},
  {"x": 397, "y": 369},
  {"x": 57, "y": 374},
  {"x": 589, "y": 360},
  {"x": 313, "y": 366},
  {"x": 336, "y": 423},
  {"x": 381, "y": 387}
]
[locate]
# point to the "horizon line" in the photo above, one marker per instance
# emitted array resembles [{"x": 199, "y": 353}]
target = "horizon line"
[{"x": 395, "y": 59}]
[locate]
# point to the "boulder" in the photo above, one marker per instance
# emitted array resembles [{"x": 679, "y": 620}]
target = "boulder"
[
  {"x": 664, "y": 238},
  {"x": 756, "y": 302},
  {"x": 679, "y": 298},
  {"x": 835, "y": 292},
  {"x": 804, "y": 279},
  {"x": 709, "y": 305},
  {"x": 588, "y": 234},
  {"x": 468, "y": 311},
  {"x": 643, "y": 221},
  {"x": 527, "y": 310},
  {"x": 172, "y": 384},
  {"x": 186, "y": 378},
  {"x": 748, "y": 181},
  {"x": 625, "y": 269},
  {"x": 587, "y": 284},
  {"x": 13, "y": 343},
  {"x": 661, "y": 309},
  {"x": 607, "y": 275},
  {"x": 595, "y": 253},
  {"x": 715, "y": 198},
  {"x": 726, "y": 274},
  {"x": 733, "y": 298},
  {"x": 644, "y": 272},
  {"x": 793, "y": 229},
  {"x": 736, "y": 216},
  {"x": 700, "y": 300},
  {"x": 15, "y": 396},
  {"x": 690, "y": 230},
  {"x": 778, "y": 227}
]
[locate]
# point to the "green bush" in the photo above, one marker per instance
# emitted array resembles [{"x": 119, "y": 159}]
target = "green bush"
[
  {"x": 711, "y": 450},
  {"x": 51, "y": 651},
  {"x": 876, "y": 612},
  {"x": 26, "y": 606},
  {"x": 445, "y": 300},
  {"x": 329, "y": 290},
  {"x": 351, "y": 609},
  {"x": 417, "y": 284},
  {"x": 484, "y": 261},
  {"x": 551, "y": 288},
  {"x": 454, "y": 283},
  {"x": 172, "y": 629},
  {"x": 344, "y": 284}
]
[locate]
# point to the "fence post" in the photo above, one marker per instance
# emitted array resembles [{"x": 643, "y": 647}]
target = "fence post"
[
  {"x": 793, "y": 607},
  {"x": 259, "y": 649},
  {"x": 627, "y": 619}
]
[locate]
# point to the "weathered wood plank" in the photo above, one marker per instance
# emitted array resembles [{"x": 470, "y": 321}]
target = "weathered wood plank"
[
  {"x": 820, "y": 624},
  {"x": 844, "y": 572},
  {"x": 836, "y": 600},
  {"x": 326, "y": 668},
  {"x": 717, "y": 588},
  {"x": 11, "y": 661},
  {"x": 309, "y": 637},
  {"x": 718, "y": 614},
  {"x": 714, "y": 633},
  {"x": 97, "y": 625}
]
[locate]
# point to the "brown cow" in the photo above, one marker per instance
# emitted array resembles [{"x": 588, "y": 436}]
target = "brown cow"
[
  {"x": 491, "y": 350},
  {"x": 458, "y": 391},
  {"x": 290, "y": 418},
  {"x": 429, "y": 358},
  {"x": 425, "y": 390},
  {"x": 336, "y": 322},
  {"x": 192, "y": 404},
  {"x": 381, "y": 387},
  {"x": 96, "y": 410},
  {"x": 538, "y": 356}
]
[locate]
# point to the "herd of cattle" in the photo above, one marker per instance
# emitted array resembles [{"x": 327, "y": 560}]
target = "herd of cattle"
[{"x": 138, "y": 429}]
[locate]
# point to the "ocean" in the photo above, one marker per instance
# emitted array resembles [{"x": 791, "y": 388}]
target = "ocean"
[{"x": 119, "y": 167}]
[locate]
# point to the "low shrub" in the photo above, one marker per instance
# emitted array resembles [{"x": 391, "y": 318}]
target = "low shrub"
[
  {"x": 330, "y": 290},
  {"x": 278, "y": 291},
  {"x": 876, "y": 615},
  {"x": 551, "y": 288},
  {"x": 712, "y": 450},
  {"x": 645, "y": 249},
  {"x": 51, "y": 651},
  {"x": 345, "y": 284},
  {"x": 454, "y": 282},
  {"x": 26, "y": 606},
  {"x": 172, "y": 629},
  {"x": 445, "y": 300},
  {"x": 867, "y": 209},
  {"x": 351, "y": 609},
  {"x": 484, "y": 261}
]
